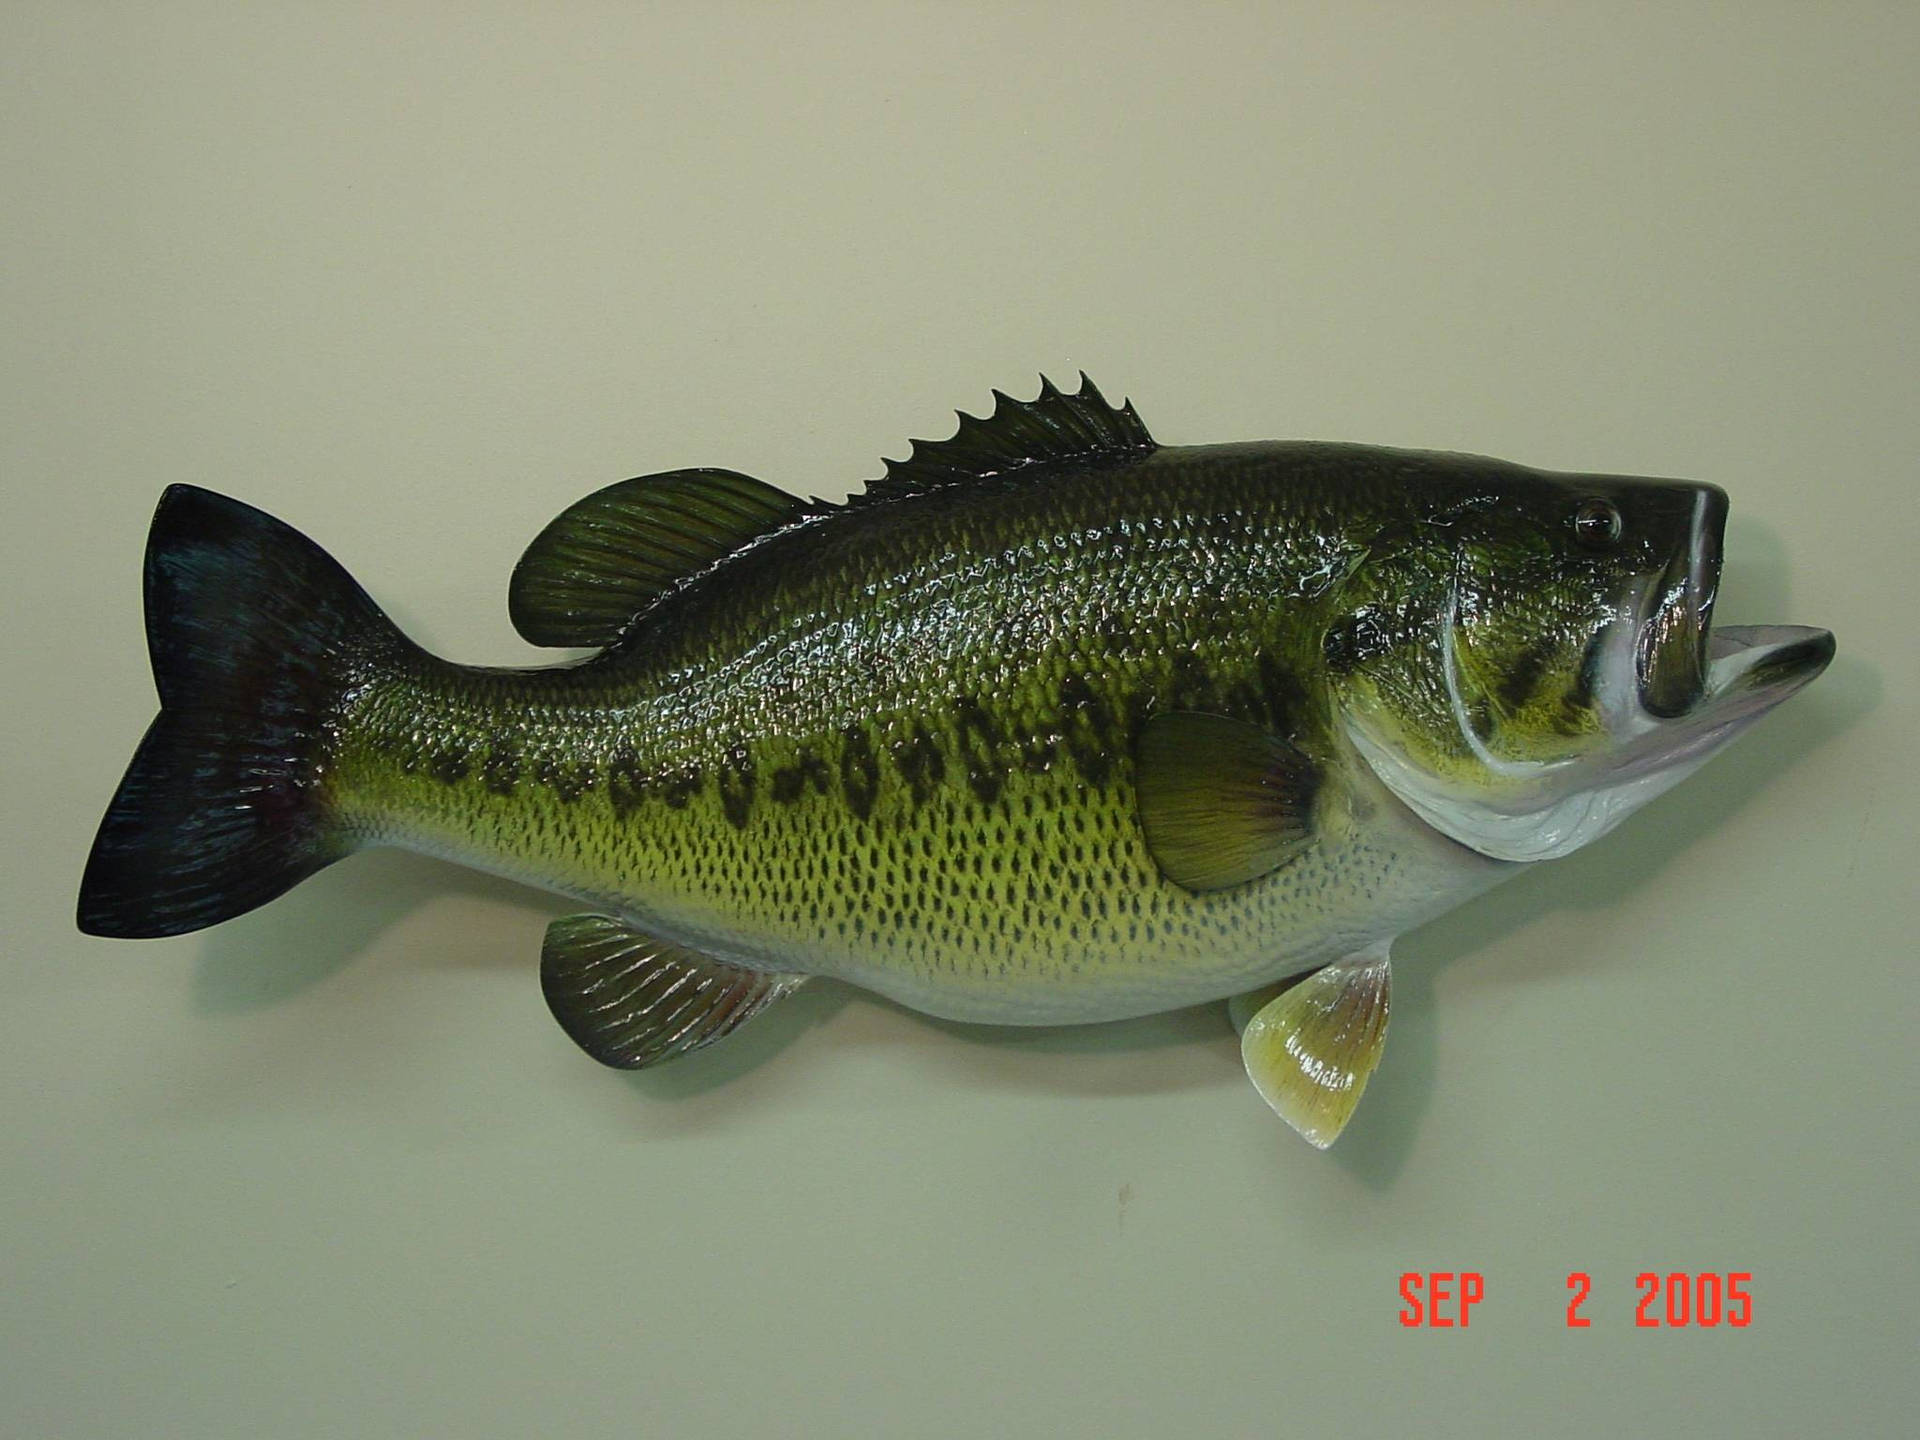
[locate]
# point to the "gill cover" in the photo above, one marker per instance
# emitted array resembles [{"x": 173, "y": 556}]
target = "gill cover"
[{"x": 1534, "y": 626}]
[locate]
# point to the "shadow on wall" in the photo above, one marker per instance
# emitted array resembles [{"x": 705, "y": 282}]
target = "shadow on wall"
[{"x": 298, "y": 940}]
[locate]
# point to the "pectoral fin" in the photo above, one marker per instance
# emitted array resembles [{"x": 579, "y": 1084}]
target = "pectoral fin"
[
  {"x": 1310, "y": 1050},
  {"x": 1222, "y": 802},
  {"x": 631, "y": 1001}
]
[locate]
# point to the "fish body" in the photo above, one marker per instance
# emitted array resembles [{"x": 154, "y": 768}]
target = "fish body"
[
  {"x": 895, "y": 745},
  {"x": 1053, "y": 724}
]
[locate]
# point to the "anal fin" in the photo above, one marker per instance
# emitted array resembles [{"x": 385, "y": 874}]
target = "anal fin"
[
  {"x": 630, "y": 1000},
  {"x": 1310, "y": 1050}
]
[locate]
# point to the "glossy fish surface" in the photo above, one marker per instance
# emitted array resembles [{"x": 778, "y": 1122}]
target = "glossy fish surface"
[{"x": 1051, "y": 724}]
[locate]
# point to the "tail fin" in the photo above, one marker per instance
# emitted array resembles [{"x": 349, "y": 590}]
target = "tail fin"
[{"x": 255, "y": 634}]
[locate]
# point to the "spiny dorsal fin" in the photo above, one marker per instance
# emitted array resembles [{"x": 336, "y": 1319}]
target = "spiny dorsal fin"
[
  {"x": 1222, "y": 802},
  {"x": 604, "y": 559},
  {"x": 631, "y": 1001},
  {"x": 1053, "y": 428}
]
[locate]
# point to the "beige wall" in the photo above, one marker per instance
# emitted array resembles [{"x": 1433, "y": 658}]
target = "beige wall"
[{"x": 415, "y": 276}]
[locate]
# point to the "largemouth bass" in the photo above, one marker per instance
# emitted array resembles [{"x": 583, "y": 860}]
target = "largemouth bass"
[{"x": 1051, "y": 724}]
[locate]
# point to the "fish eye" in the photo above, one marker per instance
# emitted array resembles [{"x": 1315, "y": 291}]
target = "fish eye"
[{"x": 1597, "y": 524}]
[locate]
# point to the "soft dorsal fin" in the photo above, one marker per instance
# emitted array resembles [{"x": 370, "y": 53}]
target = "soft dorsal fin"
[
  {"x": 604, "y": 559},
  {"x": 1053, "y": 428},
  {"x": 1222, "y": 802},
  {"x": 631, "y": 1001}
]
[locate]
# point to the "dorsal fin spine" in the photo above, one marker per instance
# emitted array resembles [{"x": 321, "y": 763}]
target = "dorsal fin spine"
[{"x": 1054, "y": 429}]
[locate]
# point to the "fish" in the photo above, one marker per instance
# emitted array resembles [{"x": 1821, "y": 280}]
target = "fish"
[{"x": 1051, "y": 724}]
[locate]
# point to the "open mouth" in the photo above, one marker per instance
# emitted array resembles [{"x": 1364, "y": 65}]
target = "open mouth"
[
  {"x": 1749, "y": 670},
  {"x": 1670, "y": 664},
  {"x": 1686, "y": 670}
]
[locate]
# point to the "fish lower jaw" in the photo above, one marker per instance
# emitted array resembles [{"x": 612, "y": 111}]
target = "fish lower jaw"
[
  {"x": 1781, "y": 658},
  {"x": 1750, "y": 670}
]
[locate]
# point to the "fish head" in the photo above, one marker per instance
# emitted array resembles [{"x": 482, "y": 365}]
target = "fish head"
[{"x": 1526, "y": 658}]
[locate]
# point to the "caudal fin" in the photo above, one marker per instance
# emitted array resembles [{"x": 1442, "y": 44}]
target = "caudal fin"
[{"x": 255, "y": 634}]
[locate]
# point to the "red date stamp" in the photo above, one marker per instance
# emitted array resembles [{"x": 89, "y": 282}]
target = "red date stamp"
[
  {"x": 1677, "y": 1300},
  {"x": 1673, "y": 1300},
  {"x": 1440, "y": 1299}
]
